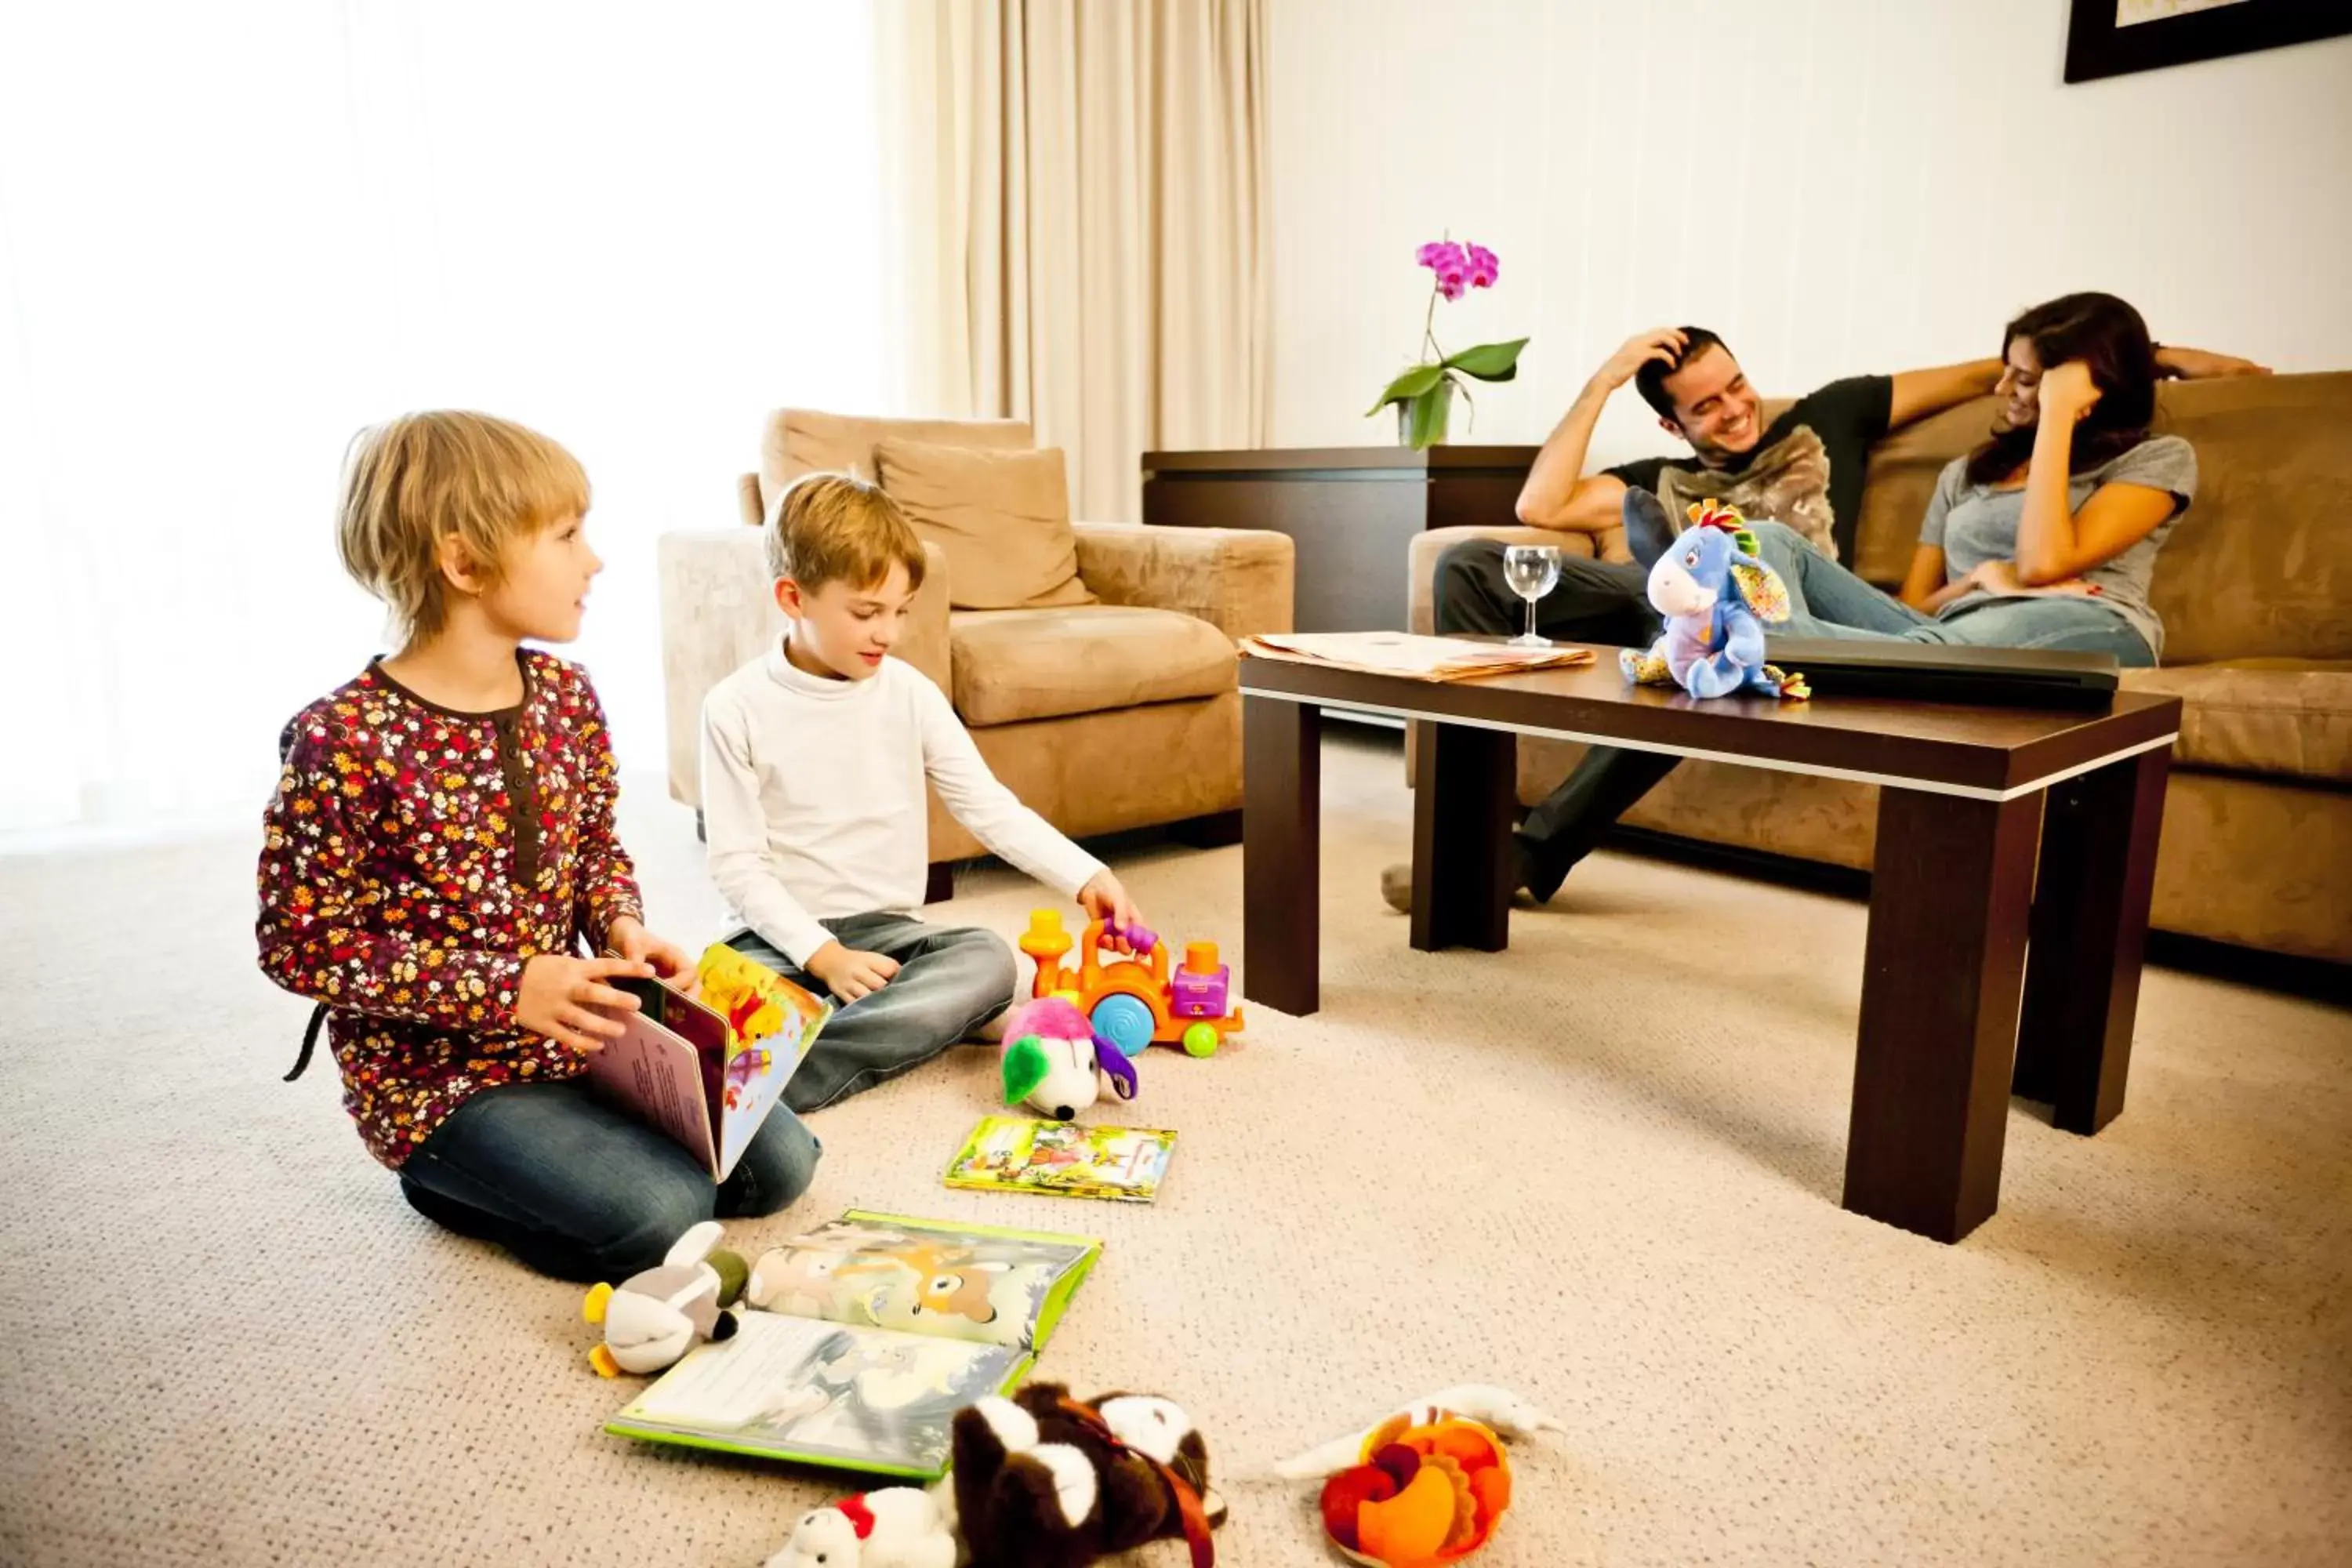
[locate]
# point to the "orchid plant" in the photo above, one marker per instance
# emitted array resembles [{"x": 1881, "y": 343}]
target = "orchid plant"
[{"x": 1423, "y": 395}]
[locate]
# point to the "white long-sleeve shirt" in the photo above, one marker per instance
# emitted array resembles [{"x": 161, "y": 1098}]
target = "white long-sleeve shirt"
[{"x": 812, "y": 800}]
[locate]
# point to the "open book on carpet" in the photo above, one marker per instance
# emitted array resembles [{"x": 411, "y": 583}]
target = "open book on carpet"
[{"x": 864, "y": 1337}]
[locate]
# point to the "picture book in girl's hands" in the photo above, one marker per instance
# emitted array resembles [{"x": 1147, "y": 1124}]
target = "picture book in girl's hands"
[
  {"x": 707, "y": 1070},
  {"x": 1010, "y": 1154},
  {"x": 869, "y": 1333}
]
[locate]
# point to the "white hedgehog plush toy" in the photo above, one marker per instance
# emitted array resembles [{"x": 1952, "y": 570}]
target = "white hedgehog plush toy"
[{"x": 898, "y": 1527}]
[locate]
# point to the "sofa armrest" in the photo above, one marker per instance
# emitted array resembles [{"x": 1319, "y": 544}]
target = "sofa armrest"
[
  {"x": 1421, "y": 561},
  {"x": 747, "y": 500},
  {"x": 718, "y": 613},
  {"x": 1237, "y": 579}
]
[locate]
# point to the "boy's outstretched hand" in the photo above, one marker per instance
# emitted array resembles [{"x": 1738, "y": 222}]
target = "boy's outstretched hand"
[
  {"x": 557, "y": 997},
  {"x": 1105, "y": 899},
  {"x": 628, "y": 937},
  {"x": 850, "y": 973}
]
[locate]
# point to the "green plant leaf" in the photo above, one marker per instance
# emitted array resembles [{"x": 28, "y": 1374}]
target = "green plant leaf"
[
  {"x": 1489, "y": 362},
  {"x": 1426, "y": 417},
  {"x": 1412, "y": 383}
]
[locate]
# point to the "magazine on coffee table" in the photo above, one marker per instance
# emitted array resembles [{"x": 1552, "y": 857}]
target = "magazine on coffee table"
[{"x": 1407, "y": 654}]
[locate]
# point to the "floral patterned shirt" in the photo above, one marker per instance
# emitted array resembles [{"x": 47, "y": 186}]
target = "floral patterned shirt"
[{"x": 415, "y": 857}]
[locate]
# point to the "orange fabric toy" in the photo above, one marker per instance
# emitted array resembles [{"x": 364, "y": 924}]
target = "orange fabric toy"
[{"x": 1423, "y": 1495}]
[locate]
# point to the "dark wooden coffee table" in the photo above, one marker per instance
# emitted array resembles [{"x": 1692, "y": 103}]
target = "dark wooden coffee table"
[{"x": 1956, "y": 1013}]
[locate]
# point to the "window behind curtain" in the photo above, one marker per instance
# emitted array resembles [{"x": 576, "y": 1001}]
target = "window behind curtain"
[{"x": 232, "y": 234}]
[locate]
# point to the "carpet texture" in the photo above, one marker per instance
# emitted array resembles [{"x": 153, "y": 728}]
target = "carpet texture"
[{"x": 1602, "y": 1168}]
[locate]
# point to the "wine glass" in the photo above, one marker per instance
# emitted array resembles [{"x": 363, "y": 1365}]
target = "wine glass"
[{"x": 1532, "y": 571}]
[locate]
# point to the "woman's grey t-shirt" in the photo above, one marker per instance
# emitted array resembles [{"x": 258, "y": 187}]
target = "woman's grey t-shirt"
[{"x": 1972, "y": 524}]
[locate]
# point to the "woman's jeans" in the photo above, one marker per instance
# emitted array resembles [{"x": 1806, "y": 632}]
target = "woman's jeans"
[{"x": 1825, "y": 600}]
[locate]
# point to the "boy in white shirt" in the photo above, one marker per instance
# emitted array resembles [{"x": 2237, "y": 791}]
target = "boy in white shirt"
[{"x": 813, "y": 760}]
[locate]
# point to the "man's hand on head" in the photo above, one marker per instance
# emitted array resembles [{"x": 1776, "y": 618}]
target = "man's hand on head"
[{"x": 1663, "y": 344}]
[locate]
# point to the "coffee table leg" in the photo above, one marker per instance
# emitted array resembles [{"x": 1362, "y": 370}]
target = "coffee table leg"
[
  {"x": 1282, "y": 822},
  {"x": 2090, "y": 929},
  {"x": 1949, "y": 898},
  {"x": 1464, "y": 780}
]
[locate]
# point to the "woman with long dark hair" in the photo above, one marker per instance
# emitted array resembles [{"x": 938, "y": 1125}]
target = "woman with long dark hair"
[{"x": 2045, "y": 536}]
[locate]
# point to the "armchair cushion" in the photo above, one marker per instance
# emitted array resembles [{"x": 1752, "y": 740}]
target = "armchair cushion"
[
  {"x": 1237, "y": 579},
  {"x": 1002, "y": 517},
  {"x": 803, "y": 440},
  {"x": 1011, "y": 665}
]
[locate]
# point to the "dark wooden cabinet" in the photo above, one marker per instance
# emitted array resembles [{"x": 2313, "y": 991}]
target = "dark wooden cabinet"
[{"x": 1352, "y": 511}]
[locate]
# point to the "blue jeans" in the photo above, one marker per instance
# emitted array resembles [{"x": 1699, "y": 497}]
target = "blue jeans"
[
  {"x": 1828, "y": 601},
  {"x": 951, "y": 980},
  {"x": 579, "y": 1190}
]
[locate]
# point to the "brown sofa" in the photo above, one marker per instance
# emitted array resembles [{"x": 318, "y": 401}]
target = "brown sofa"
[
  {"x": 1123, "y": 713},
  {"x": 2255, "y": 589}
]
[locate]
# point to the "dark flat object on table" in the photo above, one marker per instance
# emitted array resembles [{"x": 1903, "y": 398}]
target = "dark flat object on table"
[{"x": 1993, "y": 677}]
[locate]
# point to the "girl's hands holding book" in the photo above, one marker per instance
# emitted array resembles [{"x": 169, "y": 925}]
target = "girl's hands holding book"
[
  {"x": 557, "y": 997},
  {"x": 628, "y": 937}
]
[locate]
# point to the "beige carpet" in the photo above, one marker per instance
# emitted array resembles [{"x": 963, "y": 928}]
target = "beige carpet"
[{"x": 1597, "y": 1167}]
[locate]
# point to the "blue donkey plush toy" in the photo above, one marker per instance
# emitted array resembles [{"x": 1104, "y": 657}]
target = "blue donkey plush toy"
[{"x": 1716, "y": 596}]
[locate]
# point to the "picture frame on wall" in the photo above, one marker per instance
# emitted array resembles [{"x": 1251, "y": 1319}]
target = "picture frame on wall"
[{"x": 2116, "y": 38}]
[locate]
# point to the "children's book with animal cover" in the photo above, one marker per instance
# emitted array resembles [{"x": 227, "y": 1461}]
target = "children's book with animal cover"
[
  {"x": 1010, "y": 1154},
  {"x": 863, "y": 1337},
  {"x": 709, "y": 1070}
]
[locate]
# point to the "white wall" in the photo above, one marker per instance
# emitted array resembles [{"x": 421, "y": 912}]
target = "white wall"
[{"x": 1834, "y": 186}]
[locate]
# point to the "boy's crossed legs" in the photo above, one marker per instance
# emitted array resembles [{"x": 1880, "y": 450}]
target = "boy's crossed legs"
[{"x": 951, "y": 980}]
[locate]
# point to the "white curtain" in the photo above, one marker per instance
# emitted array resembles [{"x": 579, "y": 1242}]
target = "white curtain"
[
  {"x": 233, "y": 233},
  {"x": 1081, "y": 194}
]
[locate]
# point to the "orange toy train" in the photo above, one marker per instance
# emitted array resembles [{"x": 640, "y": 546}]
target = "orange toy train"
[{"x": 1135, "y": 1002}]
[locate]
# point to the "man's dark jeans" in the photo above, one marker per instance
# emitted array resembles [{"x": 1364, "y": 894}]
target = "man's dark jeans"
[{"x": 1596, "y": 601}]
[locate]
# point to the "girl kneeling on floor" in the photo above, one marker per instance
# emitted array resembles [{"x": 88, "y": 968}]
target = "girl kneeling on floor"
[{"x": 440, "y": 847}]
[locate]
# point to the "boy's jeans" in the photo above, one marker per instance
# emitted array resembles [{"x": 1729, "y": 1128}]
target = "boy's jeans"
[
  {"x": 579, "y": 1190},
  {"x": 951, "y": 980}
]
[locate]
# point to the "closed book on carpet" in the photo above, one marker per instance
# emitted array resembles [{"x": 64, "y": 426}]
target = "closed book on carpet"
[{"x": 1061, "y": 1159}]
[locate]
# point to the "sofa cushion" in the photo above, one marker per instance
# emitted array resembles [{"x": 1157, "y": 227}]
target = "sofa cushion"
[
  {"x": 1009, "y": 665},
  {"x": 806, "y": 441},
  {"x": 1002, "y": 517},
  {"x": 2285, "y": 717},
  {"x": 2260, "y": 565}
]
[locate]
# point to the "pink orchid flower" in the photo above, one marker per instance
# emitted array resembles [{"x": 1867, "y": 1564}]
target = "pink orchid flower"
[{"x": 1438, "y": 253}]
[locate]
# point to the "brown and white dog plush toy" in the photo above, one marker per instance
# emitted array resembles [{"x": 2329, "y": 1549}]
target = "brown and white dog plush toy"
[{"x": 1042, "y": 1480}]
